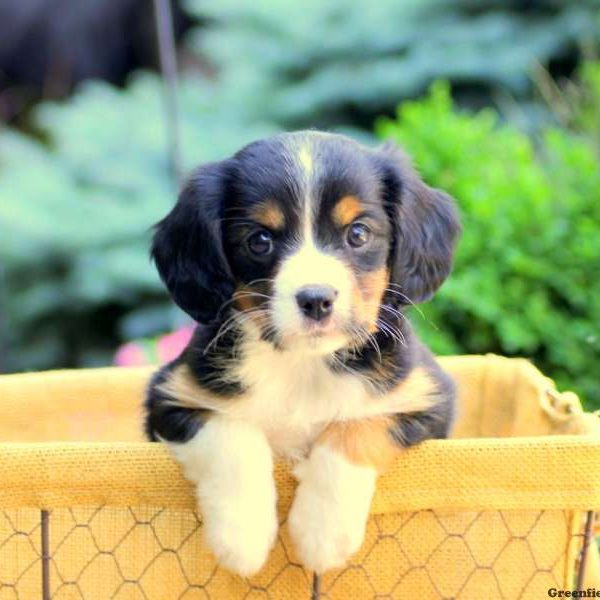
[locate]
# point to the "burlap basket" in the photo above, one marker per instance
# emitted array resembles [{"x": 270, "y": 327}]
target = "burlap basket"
[{"x": 88, "y": 510}]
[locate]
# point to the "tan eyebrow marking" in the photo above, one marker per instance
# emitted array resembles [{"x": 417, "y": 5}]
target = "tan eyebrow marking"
[
  {"x": 346, "y": 210},
  {"x": 269, "y": 214}
]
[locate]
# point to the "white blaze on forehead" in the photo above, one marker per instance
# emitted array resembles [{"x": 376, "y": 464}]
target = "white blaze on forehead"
[
  {"x": 305, "y": 159},
  {"x": 308, "y": 264}
]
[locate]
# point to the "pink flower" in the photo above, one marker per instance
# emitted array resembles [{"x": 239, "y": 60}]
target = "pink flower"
[
  {"x": 170, "y": 346},
  {"x": 131, "y": 355}
]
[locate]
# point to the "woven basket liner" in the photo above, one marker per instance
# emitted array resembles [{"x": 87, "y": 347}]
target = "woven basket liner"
[{"x": 496, "y": 512}]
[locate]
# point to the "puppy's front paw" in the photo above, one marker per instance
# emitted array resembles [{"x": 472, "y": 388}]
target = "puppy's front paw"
[
  {"x": 240, "y": 532},
  {"x": 323, "y": 540},
  {"x": 231, "y": 464},
  {"x": 329, "y": 514}
]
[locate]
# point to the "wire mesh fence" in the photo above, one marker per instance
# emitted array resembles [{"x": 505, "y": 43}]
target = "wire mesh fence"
[{"x": 99, "y": 553}]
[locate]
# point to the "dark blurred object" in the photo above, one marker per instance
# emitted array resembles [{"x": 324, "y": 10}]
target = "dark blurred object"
[{"x": 47, "y": 46}]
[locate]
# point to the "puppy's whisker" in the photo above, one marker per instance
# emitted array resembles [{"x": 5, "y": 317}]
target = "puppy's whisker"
[
  {"x": 373, "y": 341},
  {"x": 360, "y": 336},
  {"x": 395, "y": 312},
  {"x": 248, "y": 293},
  {"x": 395, "y": 334},
  {"x": 260, "y": 280},
  {"x": 418, "y": 309},
  {"x": 345, "y": 367},
  {"x": 237, "y": 318},
  {"x": 360, "y": 375},
  {"x": 393, "y": 323},
  {"x": 405, "y": 297},
  {"x": 240, "y": 294}
]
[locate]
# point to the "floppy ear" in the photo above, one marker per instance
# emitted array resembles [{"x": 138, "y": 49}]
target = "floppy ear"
[
  {"x": 425, "y": 228},
  {"x": 187, "y": 246}
]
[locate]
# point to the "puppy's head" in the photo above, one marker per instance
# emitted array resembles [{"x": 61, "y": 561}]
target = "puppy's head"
[{"x": 306, "y": 236}]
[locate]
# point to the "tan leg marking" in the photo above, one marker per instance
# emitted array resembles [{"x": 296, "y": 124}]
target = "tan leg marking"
[{"x": 369, "y": 441}]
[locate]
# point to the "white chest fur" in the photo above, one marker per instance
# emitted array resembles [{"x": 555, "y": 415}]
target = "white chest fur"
[{"x": 293, "y": 395}]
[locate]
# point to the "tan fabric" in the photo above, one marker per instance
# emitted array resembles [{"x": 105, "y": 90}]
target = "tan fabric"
[{"x": 464, "y": 518}]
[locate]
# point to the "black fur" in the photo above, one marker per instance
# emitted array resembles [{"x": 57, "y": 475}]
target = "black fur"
[
  {"x": 210, "y": 361},
  {"x": 163, "y": 420},
  {"x": 412, "y": 428},
  {"x": 426, "y": 228},
  {"x": 188, "y": 249},
  {"x": 202, "y": 254},
  {"x": 385, "y": 362}
]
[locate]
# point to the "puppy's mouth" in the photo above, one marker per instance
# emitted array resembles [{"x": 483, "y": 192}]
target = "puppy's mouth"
[{"x": 319, "y": 329}]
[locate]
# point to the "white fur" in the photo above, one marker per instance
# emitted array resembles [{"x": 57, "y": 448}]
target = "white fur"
[
  {"x": 310, "y": 266},
  {"x": 328, "y": 517},
  {"x": 231, "y": 464},
  {"x": 292, "y": 395}
]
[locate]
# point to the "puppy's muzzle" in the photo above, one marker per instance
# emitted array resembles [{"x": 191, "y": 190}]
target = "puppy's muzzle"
[{"x": 316, "y": 301}]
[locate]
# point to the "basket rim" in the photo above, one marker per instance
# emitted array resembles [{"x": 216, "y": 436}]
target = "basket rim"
[{"x": 543, "y": 472}]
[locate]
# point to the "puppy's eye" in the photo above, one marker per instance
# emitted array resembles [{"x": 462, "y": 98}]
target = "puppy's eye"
[
  {"x": 260, "y": 243},
  {"x": 358, "y": 235}
]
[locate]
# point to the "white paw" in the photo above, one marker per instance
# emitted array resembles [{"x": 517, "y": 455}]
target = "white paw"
[
  {"x": 328, "y": 517},
  {"x": 240, "y": 532},
  {"x": 232, "y": 466}
]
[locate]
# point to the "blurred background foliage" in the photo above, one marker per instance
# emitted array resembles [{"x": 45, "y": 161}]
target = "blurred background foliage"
[
  {"x": 526, "y": 275},
  {"x": 511, "y": 129}
]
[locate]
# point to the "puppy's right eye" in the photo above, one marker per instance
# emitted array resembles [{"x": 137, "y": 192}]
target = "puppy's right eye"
[
  {"x": 358, "y": 235},
  {"x": 260, "y": 243}
]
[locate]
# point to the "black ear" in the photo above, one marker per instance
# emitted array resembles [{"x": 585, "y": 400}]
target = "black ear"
[
  {"x": 425, "y": 225},
  {"x": 187, "y": 246}
]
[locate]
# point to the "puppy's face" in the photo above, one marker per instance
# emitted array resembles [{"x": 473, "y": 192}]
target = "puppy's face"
[
  {"x": 311, "y": 237},
  {"x": 307, "y": 237}
]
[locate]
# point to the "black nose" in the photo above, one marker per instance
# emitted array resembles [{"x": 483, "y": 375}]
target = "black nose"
[{"x": 316, "y": 301}]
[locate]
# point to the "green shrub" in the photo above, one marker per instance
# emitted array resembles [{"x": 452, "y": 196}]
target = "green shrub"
[
  {"x": 585, "y": 105},
  {"x": 526, "y": 277}
]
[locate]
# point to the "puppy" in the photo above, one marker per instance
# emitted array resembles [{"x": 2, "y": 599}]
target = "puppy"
[{"x": 298, "y": 257}]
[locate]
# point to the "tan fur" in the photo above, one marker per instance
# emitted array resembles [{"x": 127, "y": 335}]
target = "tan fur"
[
  {"x": 369, "y": 441},
  {"x": 245, "y": 299},
  {"x": 346, "y": 210},
  {"x": 250, "y": 297},
  {"x": 368, "y": 295},
  {"x": 183, "y": 391},
  {"x": 267, "y": 213}
]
